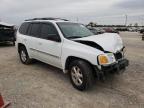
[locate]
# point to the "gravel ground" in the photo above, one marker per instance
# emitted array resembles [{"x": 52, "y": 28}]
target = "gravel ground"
[{"x": 42, "y": 86}]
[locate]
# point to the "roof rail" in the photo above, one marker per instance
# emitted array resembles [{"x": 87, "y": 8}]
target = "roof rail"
[{"x": 50, "y": 18}]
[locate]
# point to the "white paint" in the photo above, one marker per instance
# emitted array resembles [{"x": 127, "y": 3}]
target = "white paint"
[{"x": 56, "y": 53}]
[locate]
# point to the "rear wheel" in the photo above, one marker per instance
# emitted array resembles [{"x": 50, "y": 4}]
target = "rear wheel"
[
  {"x": 24, "y": 57},
  {"x": 81, "y": 75}
]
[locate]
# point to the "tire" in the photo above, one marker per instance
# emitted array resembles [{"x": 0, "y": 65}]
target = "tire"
[
  {"x": 24, "y": 57},
  {"x": 84, "y": 78}
]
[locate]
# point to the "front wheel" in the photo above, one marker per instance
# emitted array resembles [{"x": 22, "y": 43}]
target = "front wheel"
[{"x": 81, "y": 75}]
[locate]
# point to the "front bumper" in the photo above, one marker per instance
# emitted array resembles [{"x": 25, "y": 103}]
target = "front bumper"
[
  {"x": 113, "y": 68},
  {"x": 120, "y": 65}
]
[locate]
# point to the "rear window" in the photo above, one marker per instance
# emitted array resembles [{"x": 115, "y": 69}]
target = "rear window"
[{"x": 23, "y": 28}]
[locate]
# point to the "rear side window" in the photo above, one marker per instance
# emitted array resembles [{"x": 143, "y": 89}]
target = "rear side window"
[
  {"x": 23, "y": 28},
  {"x": 34, "y": 29},
  {"x": 48, "y": 30}
]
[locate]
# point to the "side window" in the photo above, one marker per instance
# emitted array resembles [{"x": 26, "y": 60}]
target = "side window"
[
  {"x": 49, "y": 32},
  {"x": 23, "y": 28},
  {"x": 34, "y": 30}
]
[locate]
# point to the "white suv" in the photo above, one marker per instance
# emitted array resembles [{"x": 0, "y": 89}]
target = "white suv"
[{"x": 72, "y": 48}]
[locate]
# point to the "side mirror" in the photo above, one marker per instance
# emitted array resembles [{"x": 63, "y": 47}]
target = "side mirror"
[{"x": 54, "y": 37}]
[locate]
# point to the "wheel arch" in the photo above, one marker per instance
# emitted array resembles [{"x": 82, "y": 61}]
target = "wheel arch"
[
  {"x": 20, "y": 45},
  {"x": 72, "y": 58}
]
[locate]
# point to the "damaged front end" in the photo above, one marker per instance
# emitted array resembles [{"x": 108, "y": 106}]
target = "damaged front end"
[
  {"x": 112, "y": 61},
  {"x": 118, "y": 67}
]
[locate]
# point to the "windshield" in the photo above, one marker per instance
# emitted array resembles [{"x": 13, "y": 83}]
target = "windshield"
[{"x": 74, "y": 30}]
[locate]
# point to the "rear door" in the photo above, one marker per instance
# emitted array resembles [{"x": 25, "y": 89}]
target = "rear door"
[
  {"x": 22, "y": 36},
  {"x": 49, "y": 45},
  {"x": 33, "y": 38}
]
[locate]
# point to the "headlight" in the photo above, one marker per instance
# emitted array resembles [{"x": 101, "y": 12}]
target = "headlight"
[{"x": 105, "y": 59}]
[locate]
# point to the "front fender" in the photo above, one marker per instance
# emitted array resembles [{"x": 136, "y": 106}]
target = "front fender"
[{"x": 78, "y": 50}]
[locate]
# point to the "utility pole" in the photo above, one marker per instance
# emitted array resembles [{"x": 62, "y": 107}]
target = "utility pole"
[{"x": 126, "y": 20}]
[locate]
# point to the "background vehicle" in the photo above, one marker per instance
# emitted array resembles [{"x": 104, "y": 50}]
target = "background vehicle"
[
  {"x": 100, "y": 30},
  {"x": 72, "y": 48},
  {"x": 111, "y": 30},
  {"x": 94, "y": 31},
  {"x": 7, "y": 33},
  {"x": 142, "y": 31},
  {"x": 122, "y": 29}
]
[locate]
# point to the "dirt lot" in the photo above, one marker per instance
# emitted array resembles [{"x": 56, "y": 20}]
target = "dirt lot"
[{"x": 41, "y": 86}]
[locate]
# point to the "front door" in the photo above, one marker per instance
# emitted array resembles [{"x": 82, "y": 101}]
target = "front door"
[{"x": 49, "y": 45}]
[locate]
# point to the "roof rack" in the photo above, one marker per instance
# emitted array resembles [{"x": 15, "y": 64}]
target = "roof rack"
[{"x": 50, "y": 18}]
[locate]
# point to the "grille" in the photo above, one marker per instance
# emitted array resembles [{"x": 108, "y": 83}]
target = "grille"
[{"x": 118, "y": 55}]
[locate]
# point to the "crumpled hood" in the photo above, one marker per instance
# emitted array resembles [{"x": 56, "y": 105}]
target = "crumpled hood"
[{"x": 111, "y": 42}]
